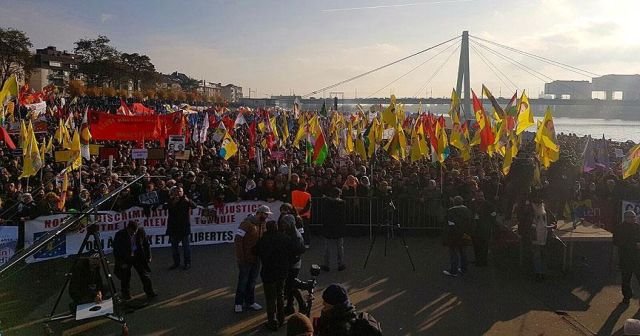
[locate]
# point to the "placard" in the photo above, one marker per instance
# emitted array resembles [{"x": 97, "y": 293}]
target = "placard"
[
  {"x": 149, "y": 198},
  {"x": 139, "y": 153},
  {"x": 63, "y": 155},
  {"x": 155, "y": 154},
  {"x": 176, "y": 143},
  {"x": 619, "y": 153},
  {"x": 277, "y": 155},
  {"x": 184, "y": 155}
]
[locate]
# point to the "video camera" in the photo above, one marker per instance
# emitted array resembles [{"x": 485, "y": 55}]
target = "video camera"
[{"x": 308, "y": 286}]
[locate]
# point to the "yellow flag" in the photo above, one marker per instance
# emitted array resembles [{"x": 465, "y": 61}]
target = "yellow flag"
[
  {"x": 547, "y": 144},
  {"x": 76, "y": 158},
  {"x": 24, "y": 137},
  {"x": 285, "y": 126},
  {"x": 389, "y": 115},
  {"x": 10, "y": 88},
  {"x": 418, "y": 147},
  {"x": 349, "y": 146},
  {"x": 32, "y": 161},
  {"x": 631, "y": 162},
  {"x": 228, "y": 147},
  {"x": 508, "y": 157},
  {"x": 525, "y": 117},
  {"x": 274, "y": 128}
]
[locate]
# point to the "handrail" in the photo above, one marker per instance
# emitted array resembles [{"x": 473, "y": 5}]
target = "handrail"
[{"x": 64, "y": 226}]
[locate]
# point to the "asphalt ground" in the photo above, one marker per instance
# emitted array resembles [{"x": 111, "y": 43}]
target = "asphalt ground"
[{"x": 501, "y": 299}]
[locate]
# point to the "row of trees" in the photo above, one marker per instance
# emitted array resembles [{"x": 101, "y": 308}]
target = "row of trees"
[
  {"x": 78, "y": 89},
  {"x": 101, "y": 65}
]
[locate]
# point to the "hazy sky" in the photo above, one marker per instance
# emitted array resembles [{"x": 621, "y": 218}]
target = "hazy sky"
[{"x": 276, "y": 47}]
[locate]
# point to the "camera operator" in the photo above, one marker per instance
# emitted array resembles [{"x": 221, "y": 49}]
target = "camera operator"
[
  {"x": 334, "y": 228},
  {"x": 276, "y": 250},
  {"x": 287, "y": 224},
  {"x": 340, "y": 318}
]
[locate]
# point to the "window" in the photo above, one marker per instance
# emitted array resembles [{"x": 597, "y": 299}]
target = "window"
[
  {"x": 617, "y": 95},
  {"x": 55, "y": 64},
  {"x": 598, "y": 95}
]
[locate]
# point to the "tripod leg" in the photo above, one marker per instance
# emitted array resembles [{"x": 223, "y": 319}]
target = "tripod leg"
[
  {"x": 406, "y": 247},
  {"x": 373, "y": 242},
  {"x": 112, "y": 287}
]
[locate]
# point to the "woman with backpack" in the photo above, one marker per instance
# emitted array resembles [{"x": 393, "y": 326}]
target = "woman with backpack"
[{"x": 287, "y": 224}]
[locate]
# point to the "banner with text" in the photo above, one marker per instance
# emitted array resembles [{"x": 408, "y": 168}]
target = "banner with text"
[
  {"x": 206, "y": 229},
  {"x": 8, "y": 241}
]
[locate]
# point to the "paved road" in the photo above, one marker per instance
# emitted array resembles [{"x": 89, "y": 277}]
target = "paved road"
[{"x": 498, "y": 300}]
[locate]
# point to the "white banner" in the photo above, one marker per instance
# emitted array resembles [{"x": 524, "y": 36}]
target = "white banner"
[
  {"x": 8, "y": 241},
  {"x": 205, "y": 230},
  {"x": 630, "y": 205}
]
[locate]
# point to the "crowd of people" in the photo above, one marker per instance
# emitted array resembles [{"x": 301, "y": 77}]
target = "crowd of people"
[{"x": 463, "y": 198}]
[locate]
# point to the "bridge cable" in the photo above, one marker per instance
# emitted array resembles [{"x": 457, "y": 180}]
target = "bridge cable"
[
  {"x": 415, "y": 68},
  {"x": 489, "y": 64},
  {"x": 378, "y": 68},
  {"x": 435, "y": 73},
  {"x": 524, "y": 66},
  {"x": 519, "y": 65},
  {"x": 567, "y": 67}
]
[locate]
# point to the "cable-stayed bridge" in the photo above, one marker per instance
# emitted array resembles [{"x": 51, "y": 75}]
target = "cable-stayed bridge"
[{"x": 487, "y": 52}]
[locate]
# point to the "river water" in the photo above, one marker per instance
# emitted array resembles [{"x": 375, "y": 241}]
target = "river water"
[{"x": 614, "y": 129}]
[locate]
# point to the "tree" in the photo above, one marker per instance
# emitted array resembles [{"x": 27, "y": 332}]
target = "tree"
[
  {"x": 150, "y": 93},
  {"x": 94, "y": 91},
  {"x": 15, "y": 57},
  {"x": 122, "y": 93},
  {"x": 138, "y": 68},
  {"x": 76, "y": 88},
  {"x": 98, "y": 60},
  {"x": 138, "y": 95},
  {"x": 181, "y": 96},
  {"x": 109, "y": 92}
]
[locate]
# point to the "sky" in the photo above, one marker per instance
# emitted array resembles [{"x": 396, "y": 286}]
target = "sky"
[{"x": 299, "y": 46}]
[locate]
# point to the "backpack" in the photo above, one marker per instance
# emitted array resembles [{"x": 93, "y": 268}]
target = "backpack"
[{"x": 365, "y": 325}]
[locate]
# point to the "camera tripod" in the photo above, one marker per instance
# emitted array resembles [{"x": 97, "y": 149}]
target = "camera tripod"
[
  {"x": 390, "y": 228},
  {"x": 117, "y": 316}
]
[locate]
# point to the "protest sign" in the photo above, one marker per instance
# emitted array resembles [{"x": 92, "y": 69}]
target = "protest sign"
[
  {"x": 8, "y": 241},
  {"x": 277, "y": 155},
  {"x": 139, "y": 153},
  {"x": 184, "y": 155},
  {"x": 155, "y": 154},
  {"x": 176, "y": 143},
  {"x": 630, "y": 205},
  {"x": 618, "y": 152},
  {"x": 149, "y": 198}
]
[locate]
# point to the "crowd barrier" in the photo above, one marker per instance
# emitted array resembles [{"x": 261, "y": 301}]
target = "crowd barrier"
[{"x": 410, "y": 213}]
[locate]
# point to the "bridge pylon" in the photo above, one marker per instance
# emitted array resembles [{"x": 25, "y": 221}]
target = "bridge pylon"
[{"x": 463, "y": 78}]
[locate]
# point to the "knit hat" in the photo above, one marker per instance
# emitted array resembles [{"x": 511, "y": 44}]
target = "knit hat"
[
  {"x": 289, "y": 220},
  {"x": 335, "y": 294},
  {"x": 299, "y": 325}
]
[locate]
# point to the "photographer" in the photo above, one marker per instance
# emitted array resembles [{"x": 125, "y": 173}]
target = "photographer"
[{"x": 287, "y": 224}]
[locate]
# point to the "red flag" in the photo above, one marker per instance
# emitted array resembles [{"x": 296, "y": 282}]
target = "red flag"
[
  {"x": 7, "y": 139},
  {"x": 124, "y": 109}
]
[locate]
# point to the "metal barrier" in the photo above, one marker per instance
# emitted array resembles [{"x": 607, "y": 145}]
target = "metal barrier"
[{"x": 410, "y": 213}]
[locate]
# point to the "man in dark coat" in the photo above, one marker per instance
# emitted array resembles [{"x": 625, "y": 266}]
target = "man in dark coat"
[
  {"x": 131, "y": 249},
  {"x": 334, "y": 228},
  {"x": 179, "y": 226},
  {"x": 459, "y": 219},
  {"x": 485, "y": 216},
  {"x": 275, "y": 250},
  {"x": 626, "y": 236}
]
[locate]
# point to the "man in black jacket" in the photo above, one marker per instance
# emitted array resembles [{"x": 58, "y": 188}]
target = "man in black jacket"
[
  {"x": 459, "y": 219},
  {"x": 626, "y": 236},
  {"x": 275, "y": 250},
  {"x": 333, "y": 228},
  {"x": 485, "y": 216},
  {"x": 131, "y": 249},
  {"x": 179, "y": 226}
]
